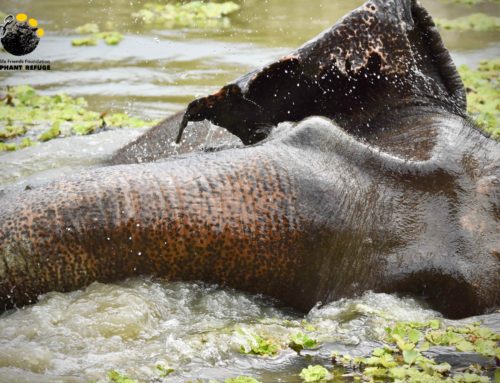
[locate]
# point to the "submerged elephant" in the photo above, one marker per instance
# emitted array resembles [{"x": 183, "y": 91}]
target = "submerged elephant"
[{"x": 360, "y": 170}]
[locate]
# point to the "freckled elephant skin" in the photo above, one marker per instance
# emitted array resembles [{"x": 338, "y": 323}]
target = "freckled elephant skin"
[
  {"x": 311, "y": 215},
  {"x": 228, "y": 224},
  {"x": 393, "y": 190}
]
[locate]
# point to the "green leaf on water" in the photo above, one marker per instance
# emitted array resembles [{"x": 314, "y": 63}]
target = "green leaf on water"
[
  {"x": 195, "y": 14},
  {"x": 7, "y": 147},
  {"x": 117, "y": 377},
  {"x": 485, "y": 333},
  {"x": 465, "y": 346},
  {"x": 51, "y": 133},
  {"x": 301, "y": 341},
  {"x": 241, "y": 379},
  {"x": 316, "y": 373},
  {"x": 258, "y": 345},
  {"x": 164, "y": 371},
  {"x": 414, "y": 335},
  {"x": 376, "y": 372},
  {"x": 27, "y": 110},
  {"x": 410, "y": 356},
  {"x": 424, "y": 346},
  {"x": 110, "y": 38},
  {"x": 84, "y": 41},
  {"x": 434, "y": 324},
  {"x": 470, "y": 378},
  {"x": 485, "y": 347},
  {"x": 441, "y": 368}
]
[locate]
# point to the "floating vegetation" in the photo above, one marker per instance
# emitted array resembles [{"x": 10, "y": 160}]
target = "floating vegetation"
[
  {"x": 94, "y": 35},
  {"x": 475, "y": 22},
  {"x": 483, "y": 95},
  {"x": 301, "y": 341},
  {"x": 164, "y": 371},
  {"x": 117, "y": 377},
  {"x": 195, "y": 14},
  {"x": 240, "y": 379},
  {"x": 402, "y": 356},
  {"x": 51, "y": 133},
  {"x": 315, "y": 374},
  {"x": 257, "y": 345},
  {"x": 28, "y": 117}
]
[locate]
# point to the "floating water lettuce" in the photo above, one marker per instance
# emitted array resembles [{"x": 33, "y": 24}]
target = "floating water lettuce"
[
  {"x": 192, "y": 14},
  {"x": 117, "y": 377},
  {"x": 316, "y": 373},
  {"x": 257, "y": 345},
  {"x": 241, "y": 379},
  {"x": 11, "y": 132},
  {"x": 476, "y": 22},
  {"x": 301, "y": 341},
  {"x": 51, "y": 133},
  {"x": 402, "y": 357},
  {"x": 29, "y": 117},
  {"x": 94, "y": 35},
  {"x": 110, "y": 38},
  {"x": 483, "y": 94},
  {"x": 84, "y": 41},
  {"x": 164, "y": 371}
]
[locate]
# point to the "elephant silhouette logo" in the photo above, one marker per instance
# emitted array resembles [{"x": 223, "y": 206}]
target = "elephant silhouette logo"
[{"x": 20, "y": 35}]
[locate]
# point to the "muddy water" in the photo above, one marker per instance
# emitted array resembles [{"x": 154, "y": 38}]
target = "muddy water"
[{"x": 197, "y": 330}]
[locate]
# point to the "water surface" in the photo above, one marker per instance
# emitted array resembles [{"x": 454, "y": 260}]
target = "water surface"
[{"x": 193, "y": 328}]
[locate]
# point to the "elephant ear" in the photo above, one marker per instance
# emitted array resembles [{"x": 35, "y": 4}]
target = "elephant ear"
[{"x": 384, "y": 55}]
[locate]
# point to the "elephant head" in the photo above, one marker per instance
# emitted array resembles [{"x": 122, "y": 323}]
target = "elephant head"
[{"x": 360, "y": 171}]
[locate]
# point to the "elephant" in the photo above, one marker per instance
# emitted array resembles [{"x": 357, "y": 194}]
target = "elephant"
[{"x": 348, "y": 165}]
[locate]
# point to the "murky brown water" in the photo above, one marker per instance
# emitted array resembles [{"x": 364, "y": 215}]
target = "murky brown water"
[{"x": 195, "y": 329}]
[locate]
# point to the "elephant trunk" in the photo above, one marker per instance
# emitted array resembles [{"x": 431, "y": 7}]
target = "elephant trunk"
[{"x": 190, "y": 219}]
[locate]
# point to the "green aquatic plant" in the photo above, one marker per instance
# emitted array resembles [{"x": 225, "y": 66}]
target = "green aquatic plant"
[
  {"x": 94, "y": 35},
  {"x": 257, "y": 345},
  {"x": 402, "y": 357},
  {"x": 241, "y": 379},
  {"x": 483, "y": 94},
  {"x": 11, "y": 132},
  {"x": 27, "y": 114},
  {"x": 260, "y": 346},
  {"x": 7, "y": 147},
  {"x": 316, "y": 373},
  {"x": 301, "y": 341},
  {"x": 117, "y": 377},
  {"x": 51, "y": 133},
  {"x": 192, "y": 14},
  {"x": 84, "y": 41},
  {"x": 164, "y": 371},
  {"x": 476, "y": 22},
  {"x": 110, "y": 38}
]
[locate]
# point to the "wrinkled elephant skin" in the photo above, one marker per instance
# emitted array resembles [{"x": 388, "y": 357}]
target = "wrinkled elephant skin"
[{"x": 358, "y": 170}]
